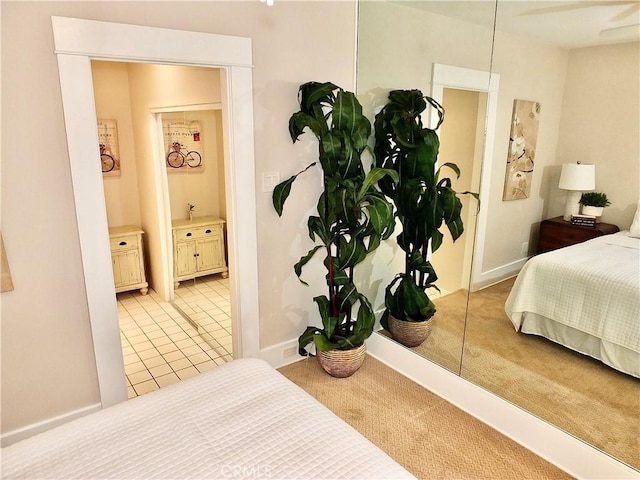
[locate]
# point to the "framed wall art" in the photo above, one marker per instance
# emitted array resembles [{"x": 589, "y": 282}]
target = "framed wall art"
[
  {"x": 184, "y": 148},
  {"x": 522, "y": 150},
  {"x": 109, "y": 151}
]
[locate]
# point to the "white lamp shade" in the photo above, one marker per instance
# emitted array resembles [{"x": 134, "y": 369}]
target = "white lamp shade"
[{"x": 577, "y": 176}]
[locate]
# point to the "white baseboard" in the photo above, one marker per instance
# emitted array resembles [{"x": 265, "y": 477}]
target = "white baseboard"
[
  {"x": 280, "y": 355},
  {"x": 30, "y": 430},
  {"x": 496, "y": 275},
  {"x": 556, "y": 446}
]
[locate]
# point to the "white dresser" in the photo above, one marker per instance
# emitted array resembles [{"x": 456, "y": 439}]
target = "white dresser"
[
  {"x": 198, "y": 248},
  {"x": 127, "y": 259}
]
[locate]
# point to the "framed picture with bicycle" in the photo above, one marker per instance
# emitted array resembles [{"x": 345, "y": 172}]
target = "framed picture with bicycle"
[
  {"x": 184, "y": 149},
  {"x": 109, "y": 152}
]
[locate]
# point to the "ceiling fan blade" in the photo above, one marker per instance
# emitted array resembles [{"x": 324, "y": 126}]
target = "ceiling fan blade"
[
  {"x": 627, "y": 13},
  {"x": 577, "y": 6},
  {"x": 627, "y": 32}
]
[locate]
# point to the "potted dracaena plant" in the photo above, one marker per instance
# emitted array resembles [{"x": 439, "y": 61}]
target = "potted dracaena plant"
[
  {"x": 425, "y": 201},
  {"x": 352, "y": 218}
]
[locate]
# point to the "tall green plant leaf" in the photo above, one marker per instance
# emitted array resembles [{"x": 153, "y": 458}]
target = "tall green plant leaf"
[
  {"x": 281, "y": 193},
  {"x": 303, "y": 261}
]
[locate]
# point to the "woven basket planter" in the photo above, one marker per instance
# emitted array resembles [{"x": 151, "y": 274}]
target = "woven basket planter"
[
  {"x": 410, "y": 334},
  {"x": 342, "y": 363}
]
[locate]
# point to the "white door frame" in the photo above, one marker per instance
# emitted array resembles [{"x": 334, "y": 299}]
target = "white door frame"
[
  {"x": 77, "y": 42},
  {"x": 447, "y": 76},
  {"x": 161, "y": 178}
]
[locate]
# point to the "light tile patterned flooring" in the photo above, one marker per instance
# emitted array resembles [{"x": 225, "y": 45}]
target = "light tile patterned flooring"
[{"x": 160, "y": 347}]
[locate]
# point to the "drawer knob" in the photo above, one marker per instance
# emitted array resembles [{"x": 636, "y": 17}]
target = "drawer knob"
[
  {"x": 122, "y": 243},
  {"x": 188, "y": 234},
  {"x": 208, "y": 230}
]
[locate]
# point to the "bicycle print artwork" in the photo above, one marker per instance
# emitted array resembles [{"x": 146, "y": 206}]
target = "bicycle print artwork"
[
  {"x": 184, "y": 147},
  {"x": 108, "y": 143},
  {"x": 180, "y": 155}
]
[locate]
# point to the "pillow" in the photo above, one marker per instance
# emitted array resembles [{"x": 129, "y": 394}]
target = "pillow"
[{"x": 634, "y": 229}]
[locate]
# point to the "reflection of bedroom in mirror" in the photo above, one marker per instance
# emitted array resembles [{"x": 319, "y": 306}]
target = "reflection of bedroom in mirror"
[
  {"x": 167, "y": 336},
  {"x": 378, "y": 73},
  {"x": 570, "y": 71}
]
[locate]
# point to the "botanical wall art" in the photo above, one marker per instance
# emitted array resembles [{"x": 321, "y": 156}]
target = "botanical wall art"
[
  {"x": 184, "y": 150},
  {"x": 109, "y": 154},
  {"x": 522, "y": 150}
]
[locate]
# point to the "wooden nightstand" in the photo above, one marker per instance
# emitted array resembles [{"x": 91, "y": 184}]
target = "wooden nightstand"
[{"x": 557, "y": 233}]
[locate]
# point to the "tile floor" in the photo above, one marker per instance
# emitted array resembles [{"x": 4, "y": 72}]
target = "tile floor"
[{"x": 160, "y": 347}]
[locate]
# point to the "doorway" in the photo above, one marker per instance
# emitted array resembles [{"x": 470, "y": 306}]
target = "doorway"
[{"x": 77, "y": 42}]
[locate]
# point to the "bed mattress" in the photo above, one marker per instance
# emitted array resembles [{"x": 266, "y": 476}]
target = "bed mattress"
[
  {"x": 240, "y": 420},
  {"x": 586, "y": 297}
]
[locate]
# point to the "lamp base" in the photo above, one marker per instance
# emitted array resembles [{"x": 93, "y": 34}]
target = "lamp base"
[{"x": 572, "y": 206}]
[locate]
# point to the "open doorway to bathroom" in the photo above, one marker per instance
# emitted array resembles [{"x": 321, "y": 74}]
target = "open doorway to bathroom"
[{"x": 143, "y": 112}]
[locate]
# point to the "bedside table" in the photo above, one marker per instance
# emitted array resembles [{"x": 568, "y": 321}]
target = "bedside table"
[{"x": 557, "y": 233}]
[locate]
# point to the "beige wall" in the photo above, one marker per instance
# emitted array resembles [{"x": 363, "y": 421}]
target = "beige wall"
[
  {"x": 458, "y": 145},
  {"x": 111, "y": 91},
  {"x": 528, "y": 71},
  {"x": 47, "y": 352},
  {"x": 601, "y": 124},
  {"x": 204, "y": 189}
]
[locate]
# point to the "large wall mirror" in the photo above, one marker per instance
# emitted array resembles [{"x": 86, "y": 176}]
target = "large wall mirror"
[{"x": 400, "y": 45}]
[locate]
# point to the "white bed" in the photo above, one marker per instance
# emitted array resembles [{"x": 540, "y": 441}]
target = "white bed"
[
  {"x": 585, "y": 297},
  {"x": 240, "y": 420}
]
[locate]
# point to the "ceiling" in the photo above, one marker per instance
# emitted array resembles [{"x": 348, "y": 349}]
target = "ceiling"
[{"x": 567, "y": 24}]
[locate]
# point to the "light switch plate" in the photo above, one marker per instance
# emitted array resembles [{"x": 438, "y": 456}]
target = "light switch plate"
[{"x": 270, "y": 180}]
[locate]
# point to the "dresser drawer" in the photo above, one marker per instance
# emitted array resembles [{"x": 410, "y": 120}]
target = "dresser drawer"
[
  {"x": 191, "y": 233},
  {"x": 125, "y": 242},
  {"x": 576, "y": 234}
]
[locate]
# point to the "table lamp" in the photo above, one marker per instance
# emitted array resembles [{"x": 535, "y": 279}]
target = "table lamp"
[{"x": 576, "y": 178}]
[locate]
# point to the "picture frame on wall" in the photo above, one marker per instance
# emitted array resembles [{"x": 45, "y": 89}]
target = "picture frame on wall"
[
  {"x": 109, "y": 147},
  {"x": 184, "y": 147},
  {"x": 522, "y": 150}
]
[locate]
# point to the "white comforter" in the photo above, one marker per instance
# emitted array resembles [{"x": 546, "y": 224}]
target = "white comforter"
[
  {"x": 241, "y": 420},
  {"x": 592, "y": 287}
]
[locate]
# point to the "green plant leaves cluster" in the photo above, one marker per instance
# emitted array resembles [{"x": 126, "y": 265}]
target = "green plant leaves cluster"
[
  {"x": 424, "y": 199},
  {"x": 353, "y": 216},
  {"x": 594, "y": 199}
]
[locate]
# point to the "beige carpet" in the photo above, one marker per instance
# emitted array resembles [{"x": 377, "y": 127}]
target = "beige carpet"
[
  {"x": 573, "y": 391},
  {"x": 427, "y": 435}
]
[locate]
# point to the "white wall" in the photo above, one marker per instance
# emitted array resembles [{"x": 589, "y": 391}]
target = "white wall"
[{"x": 47, "y": 352}]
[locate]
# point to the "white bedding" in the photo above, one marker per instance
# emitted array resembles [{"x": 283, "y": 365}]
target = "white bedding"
[
  {"x": 240, "y": 420},
  {"x": 586, "y": 297}
]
